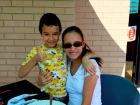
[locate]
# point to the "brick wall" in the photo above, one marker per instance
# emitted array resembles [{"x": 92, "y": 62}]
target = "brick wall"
[
  {"x": 19, "y": 21},
  {"x": 104, "y": 24}
]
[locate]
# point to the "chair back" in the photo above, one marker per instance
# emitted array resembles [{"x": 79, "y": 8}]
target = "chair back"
[{"x": 117, "y": 90}]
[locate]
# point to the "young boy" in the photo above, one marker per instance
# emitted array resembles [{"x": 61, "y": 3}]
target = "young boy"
[{"x": 50, "y": 58}]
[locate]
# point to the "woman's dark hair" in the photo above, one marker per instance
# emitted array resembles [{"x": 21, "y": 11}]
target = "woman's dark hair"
[
  {"x": 49, "y": 19},
  {"x": 86, "y": 47}
]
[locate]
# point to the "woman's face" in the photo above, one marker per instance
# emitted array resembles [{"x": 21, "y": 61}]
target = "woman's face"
[{"x": 73, "y": 45}]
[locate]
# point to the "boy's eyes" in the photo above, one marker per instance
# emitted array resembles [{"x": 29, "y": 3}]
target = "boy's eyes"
[
  {"x": 55, "y": 34},
  {"x": 46, "y": 34}
]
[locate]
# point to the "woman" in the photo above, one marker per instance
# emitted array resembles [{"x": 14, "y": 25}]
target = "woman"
[{"x": 83, "y": 88}]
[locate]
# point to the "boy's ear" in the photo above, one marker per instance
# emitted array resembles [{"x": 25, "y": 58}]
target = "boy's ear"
[{"x": 42, "y": 37}]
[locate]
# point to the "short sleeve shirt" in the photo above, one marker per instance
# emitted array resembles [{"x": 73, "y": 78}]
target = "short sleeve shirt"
[
  {"x": 75, "y": 85},
  {"x": 55, "y": 63}
]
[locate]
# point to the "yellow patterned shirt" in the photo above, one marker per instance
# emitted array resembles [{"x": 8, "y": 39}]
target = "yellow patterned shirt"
[{"x": 55, "y": 62}]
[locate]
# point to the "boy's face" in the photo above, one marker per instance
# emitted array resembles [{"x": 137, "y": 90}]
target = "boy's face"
[{"x": 50, "y": 35}]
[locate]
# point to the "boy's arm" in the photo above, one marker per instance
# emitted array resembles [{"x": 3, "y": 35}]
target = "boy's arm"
[
  {"x": 25, "y": 69},
  {"x": 89, "y": 67}
]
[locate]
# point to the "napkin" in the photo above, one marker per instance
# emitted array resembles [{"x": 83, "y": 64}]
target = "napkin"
[{"x": 20, "y": 100}]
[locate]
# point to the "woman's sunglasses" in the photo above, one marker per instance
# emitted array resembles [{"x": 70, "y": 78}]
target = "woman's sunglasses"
[{"x": 75, "y": 44}]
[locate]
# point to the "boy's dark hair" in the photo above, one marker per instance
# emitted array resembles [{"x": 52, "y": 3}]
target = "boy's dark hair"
[{"x": 49, "y": 19}]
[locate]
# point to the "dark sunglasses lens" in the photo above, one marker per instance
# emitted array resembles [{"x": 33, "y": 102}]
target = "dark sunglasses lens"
[
  {"x": 67, "y": 45},
  {"x": 77, "y": 44}
]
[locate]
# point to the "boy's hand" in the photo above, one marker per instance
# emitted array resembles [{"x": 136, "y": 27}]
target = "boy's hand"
[
  {"x": 40, "y": 56},
  {"x": 89, "y": 67},
  {"x": 45, "y": 78}
]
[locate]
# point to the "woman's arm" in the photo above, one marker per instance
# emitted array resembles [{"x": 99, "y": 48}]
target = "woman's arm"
[
  {"x": 90, "y": 84},
  {"x": 88, "y": 90}
]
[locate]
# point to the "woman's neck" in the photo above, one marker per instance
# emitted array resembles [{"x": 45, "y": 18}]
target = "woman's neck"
[
  {"x": 75, "y": 65},
  {"x": 77, "y": 61}
]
